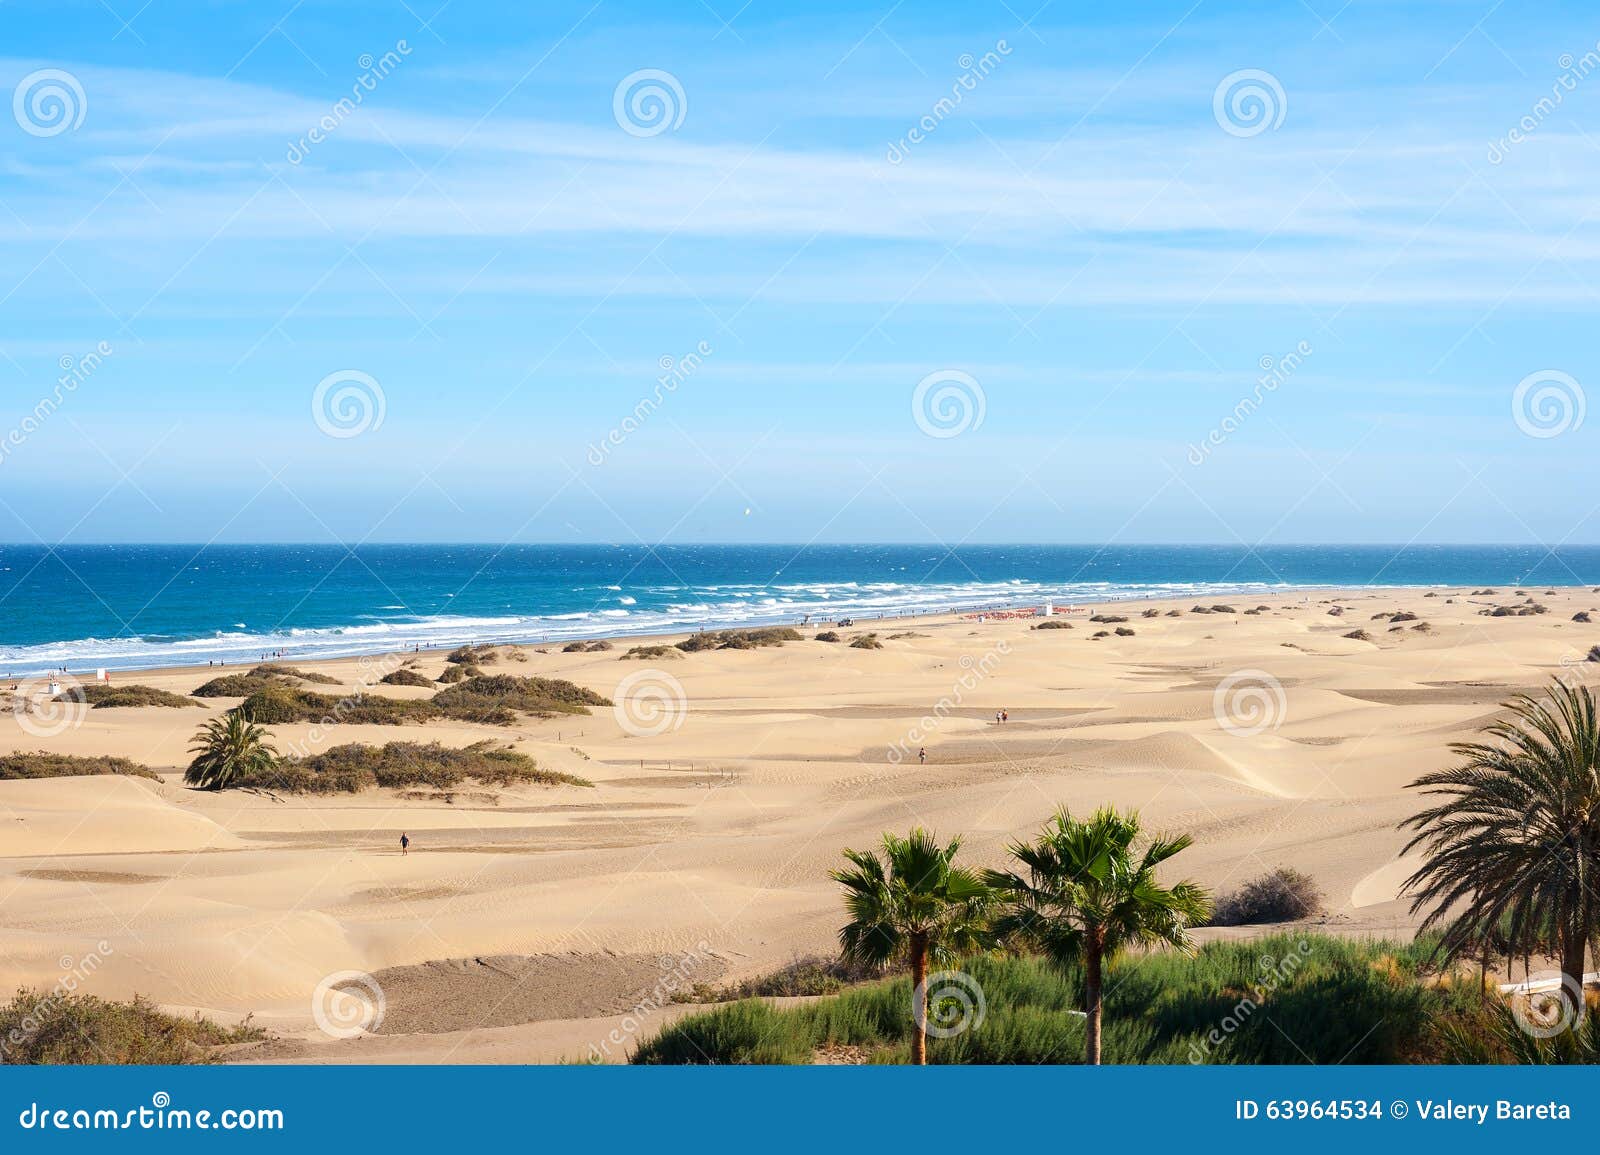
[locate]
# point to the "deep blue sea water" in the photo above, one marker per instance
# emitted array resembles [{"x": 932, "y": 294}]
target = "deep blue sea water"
[{"x": 127, "y": 607}]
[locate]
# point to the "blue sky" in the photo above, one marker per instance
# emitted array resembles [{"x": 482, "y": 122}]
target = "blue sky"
[{"x": 1092, "y": 245}]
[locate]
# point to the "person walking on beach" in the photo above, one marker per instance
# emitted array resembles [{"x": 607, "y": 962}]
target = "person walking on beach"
[
  {"x": 1005, "y": 716},
  {"x": 997, "y": 717},
  {"x": 922, "y": 756},
  {"x": 405, "y": 843}
]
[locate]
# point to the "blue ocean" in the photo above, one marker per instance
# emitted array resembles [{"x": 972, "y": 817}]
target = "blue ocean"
[{"x": 130, "y": 606}]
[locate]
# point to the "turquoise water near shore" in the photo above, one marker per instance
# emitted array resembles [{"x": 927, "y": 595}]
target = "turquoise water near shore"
[{"x": 130, "y": 607}]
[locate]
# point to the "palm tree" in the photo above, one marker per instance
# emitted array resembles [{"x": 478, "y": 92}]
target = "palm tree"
[
  {"x": 1088, "y": 893},
  {"x": 1517, "y": 842},
  {"x": 912, "y": 904},
  {"x": 227, "y": 749}
]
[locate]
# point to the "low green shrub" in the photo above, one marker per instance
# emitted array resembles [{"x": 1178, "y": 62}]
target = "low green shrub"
[
  {"x": 739, "y": 639},
  {"x": 99, "y": 696},
  {"x": 353, "y": 768},
  {"x": 653, "y": 654},
  {"x": 44, "y": 764},
  {"x": 61, "y": 1028},
  {"x": 406, "y": 678}
]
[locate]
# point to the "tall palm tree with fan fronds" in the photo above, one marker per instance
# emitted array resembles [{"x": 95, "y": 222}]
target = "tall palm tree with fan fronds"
[
  {"x": 228, "y": 749},
  {"x": 1516, "y": 843},
  {"x": 1087, "y": 892},
  {"x": 914, "y": 904}
]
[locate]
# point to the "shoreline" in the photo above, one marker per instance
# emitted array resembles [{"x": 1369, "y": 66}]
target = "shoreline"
[{"x": 287, "y": 652}]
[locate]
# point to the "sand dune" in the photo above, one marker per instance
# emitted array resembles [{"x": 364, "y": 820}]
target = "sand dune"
[{"x": 526, "y": 920}]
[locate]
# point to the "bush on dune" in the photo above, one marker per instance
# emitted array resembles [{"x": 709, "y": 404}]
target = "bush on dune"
[
  {"x": 866, "y": 642},
  {"x": 406, "y": 678},
  {"x": 739, "y": 639},
  {"x": 99, "y": 696},
  {"x": 64, "y": 1028},
  {"x": 15, "y": 767},
  {"x": 1285, "y": 895},
  {"x": 238, "y": 685},
  {"x": 496, "y": 694},
  {"x": 483, "y": 655},
  {"x": 275, "y": 670},
  {"x": 653, "y": 654},
  {"x": 353, "y": 768}
]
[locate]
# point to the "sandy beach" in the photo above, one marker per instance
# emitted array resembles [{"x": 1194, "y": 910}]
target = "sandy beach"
[{"x": 527, "y": 923}]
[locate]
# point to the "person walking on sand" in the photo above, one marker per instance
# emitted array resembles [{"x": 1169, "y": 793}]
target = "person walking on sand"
[
  {"x": 922, "y": 756},
  {"x": 405, "y": 843},
  {"x": 997, "y": 717},
  {"x": 1005, "y": 716}
]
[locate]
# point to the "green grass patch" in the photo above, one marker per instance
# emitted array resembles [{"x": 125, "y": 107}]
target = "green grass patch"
[{"x": 1283, "y": 999}]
